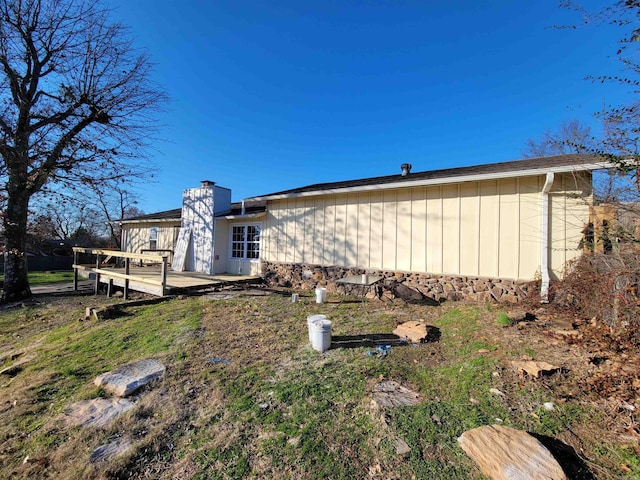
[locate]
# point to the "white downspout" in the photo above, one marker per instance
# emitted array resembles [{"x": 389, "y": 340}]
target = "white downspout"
[
  {"x": 123, "y": 238},
  {"x": 544, "y": 239}
]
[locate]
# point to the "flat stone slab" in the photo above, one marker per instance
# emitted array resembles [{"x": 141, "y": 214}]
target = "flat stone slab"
[
  {"x": 504, "y": 453},
  {"x": 127, "y": 379},
  {"x": 98, "y": 412},
  {"x": 391, "y": 394},
  {"x": 15, "y": 354},
  {"x": 21, "y": 356},
  {"x": 534, "y": 369},
  {"x": 415, "y": 331},
  {"x": 402, "y": 448},
  {"x": 13, "y": 370},
  {"x": 111, "y": 450}
]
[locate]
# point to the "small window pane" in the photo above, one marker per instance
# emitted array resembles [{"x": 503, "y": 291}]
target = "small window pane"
[
  {"x": 253, "y": 250},
  {"x": 237, "y": 250},
  {"x": 153, "y": 238},
  {"x": 253, "y": 233}
]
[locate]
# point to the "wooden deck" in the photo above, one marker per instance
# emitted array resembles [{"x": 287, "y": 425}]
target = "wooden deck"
[
  {"x": 176, "y": 281},
  {"x": 148, "y": 273}
]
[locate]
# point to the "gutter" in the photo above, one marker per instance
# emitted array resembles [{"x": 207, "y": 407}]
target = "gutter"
[
  {"x": 241, "y": 217},
  {"x": 150, "y": 220},
  {"x": 544, "y": 239}
]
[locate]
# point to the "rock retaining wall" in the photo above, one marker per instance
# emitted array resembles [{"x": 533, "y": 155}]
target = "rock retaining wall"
[{"x": 436, "y": 287}]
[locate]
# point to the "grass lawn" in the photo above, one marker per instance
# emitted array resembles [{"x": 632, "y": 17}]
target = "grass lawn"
[
  {"x": 245, "y": 396},
  {"x": 45, "y": 278}
]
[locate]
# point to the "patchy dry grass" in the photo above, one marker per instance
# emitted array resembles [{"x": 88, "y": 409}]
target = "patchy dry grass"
[{"x": 246, "y": 396}]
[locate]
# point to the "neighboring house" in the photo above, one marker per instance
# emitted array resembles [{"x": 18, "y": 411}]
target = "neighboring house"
[
  {"x": 147, "y": 233},
  {"x": 475, "y": 232}
]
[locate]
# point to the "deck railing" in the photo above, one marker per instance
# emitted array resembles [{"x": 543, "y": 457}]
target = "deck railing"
[{"x": 156, "y": 287}]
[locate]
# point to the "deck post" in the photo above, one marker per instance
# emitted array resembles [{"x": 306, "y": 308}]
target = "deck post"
[
  {"x": 163, "y": 272},
  {"x": 110, "y": 288},
  {"x": 75, "y": 270},
  {"x": 126, "y": 282},
  {"x": 97, "y": 286}
]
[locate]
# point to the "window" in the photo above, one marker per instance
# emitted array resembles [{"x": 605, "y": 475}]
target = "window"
[
  {"x": 245, "y": 241},
  {"x": 153, "y": 238}
]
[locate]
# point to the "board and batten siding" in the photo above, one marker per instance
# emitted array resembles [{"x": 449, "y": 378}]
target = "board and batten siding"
[
  {"x": 487, "y": 229},
  {"x": 136, "y": 236}
]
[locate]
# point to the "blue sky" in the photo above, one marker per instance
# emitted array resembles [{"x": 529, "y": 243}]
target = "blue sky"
[{"x": 271, "y": 95}]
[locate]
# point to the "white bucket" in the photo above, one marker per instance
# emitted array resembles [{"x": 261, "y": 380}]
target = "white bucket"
[
  {"x": 321, "y": 295},
  {"x": 320, "y": 334},
  {"x": 314, "y": 318}
]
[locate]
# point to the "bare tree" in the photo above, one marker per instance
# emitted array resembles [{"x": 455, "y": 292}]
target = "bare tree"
[
  {"x": 66, "y": 215},
  {"x": 113, "y": 204},
  {"x": 621, "y": 139},
  {"x": 571, "y": 137},
  {"x": 76, "y": 107}
]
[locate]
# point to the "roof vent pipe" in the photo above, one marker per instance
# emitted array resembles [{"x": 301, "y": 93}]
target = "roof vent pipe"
[{"x": 406, "y": 169}]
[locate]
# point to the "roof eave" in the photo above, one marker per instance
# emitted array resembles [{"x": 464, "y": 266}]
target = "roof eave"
[
  {"x": 440, "y": 181},
  {"x": 241, "y": 217},
  {"x": 150, "y": 220}
]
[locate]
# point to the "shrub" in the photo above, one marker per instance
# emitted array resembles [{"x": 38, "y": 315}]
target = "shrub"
[{"x": 603, "y": 286}]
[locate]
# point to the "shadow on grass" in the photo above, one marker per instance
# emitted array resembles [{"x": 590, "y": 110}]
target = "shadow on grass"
[
  {"x": 374, "y": 339},
  {"x": 366, "y": 340},
  {"x": 574, "y": 467}
]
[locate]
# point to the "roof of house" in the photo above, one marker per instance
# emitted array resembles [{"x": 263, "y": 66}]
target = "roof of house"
[
  {"x": 167, "y": 215},
  {"x": 517, "y": 168},
  {"x": 251, "y": 208}
]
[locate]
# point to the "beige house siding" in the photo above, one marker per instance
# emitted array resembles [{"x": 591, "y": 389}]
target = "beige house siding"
[
  {"x": 567, "y": 210},
  {"x": 243, "y": 267},
  {"x": 135, "y": 236},
  {"x": 221, "y": 247},
  {"x": 487, "y": 229}
]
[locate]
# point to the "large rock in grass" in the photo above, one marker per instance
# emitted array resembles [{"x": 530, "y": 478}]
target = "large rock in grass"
[
  {"x": 503, "y": 453},
  {"x": 126, "y": 380},
  {"x": 417, "y": 332},
  {"x": 390, "y": 394},
  {"x": 534, "y": 369},
  {"x": 111, "y": 450},
  {"x": 98, "y": 412},
  {"x": 407, "y": 294}
]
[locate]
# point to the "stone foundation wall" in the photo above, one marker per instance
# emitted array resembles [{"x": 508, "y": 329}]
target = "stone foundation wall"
[{"x": 436, "y": 287}]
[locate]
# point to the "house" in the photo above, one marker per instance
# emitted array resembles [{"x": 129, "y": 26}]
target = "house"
[
  {"x": 208, "y": 234},
  {"x": 478, "y": 232}
]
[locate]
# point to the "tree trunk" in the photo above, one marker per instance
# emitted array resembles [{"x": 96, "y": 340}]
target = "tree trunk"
[{"x": 16, "y": 283}]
